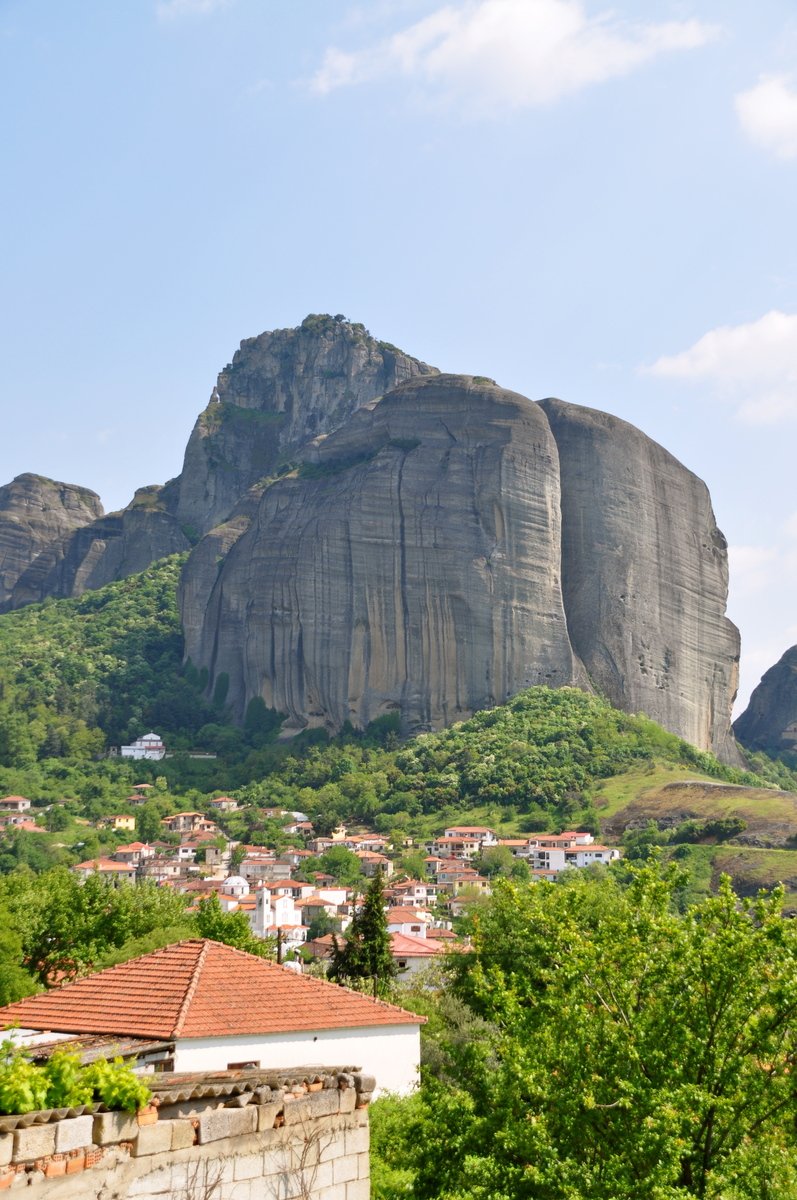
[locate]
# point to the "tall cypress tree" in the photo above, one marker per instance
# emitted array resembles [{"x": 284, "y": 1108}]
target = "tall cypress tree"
[{"x": 366, "y": 953}]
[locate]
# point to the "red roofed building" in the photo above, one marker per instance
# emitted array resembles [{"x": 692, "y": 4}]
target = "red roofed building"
[{"x": 220, "y": 1006}]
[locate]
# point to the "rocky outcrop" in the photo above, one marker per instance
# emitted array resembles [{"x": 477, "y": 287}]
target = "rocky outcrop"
[
  {"x": 281, "y": 389},
  {"x": 453, "y": 543},
  {"x": 113, "y": 547},
  {"x": 411, "y": 564},
  {"x": 770, "y": 720},
  {"x": 35, "y": 514},
  {"x": 373, "y": 536},
  {"x": 645, "y": 578}
]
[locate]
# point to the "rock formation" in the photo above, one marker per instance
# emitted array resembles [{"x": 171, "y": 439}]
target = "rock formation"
[
  {"x": 113, "y": 547},
  {"x": 412, "y": 563},
  {"x": 281, "y": 389},
  {"x": 770, "y": 720},
  {"x": 36, "y": 513},
  {"x": 375, "y": 537},
  {"x": 645, "y": 577}
]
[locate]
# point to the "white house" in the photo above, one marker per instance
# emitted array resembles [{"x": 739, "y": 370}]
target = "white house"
[
  {"x": 219, "y": 1007},
  {"x": 148, "y": 746}
]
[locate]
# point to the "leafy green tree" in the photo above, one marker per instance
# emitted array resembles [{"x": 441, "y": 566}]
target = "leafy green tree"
[
  {"x": 232, "y": 928},
  {"x": 366, "y": 953},
  {"x": 15, "y": 981},
  {"x": 66, "y": 925},
  {"x": 627, "y": 1051}
]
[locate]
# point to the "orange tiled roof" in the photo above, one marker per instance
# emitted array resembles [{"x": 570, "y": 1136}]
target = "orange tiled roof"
[
  {"x": 404, "y": 944},
  {"x": 196, "y": 989}
]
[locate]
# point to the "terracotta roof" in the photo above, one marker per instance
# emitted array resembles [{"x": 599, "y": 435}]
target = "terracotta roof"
[
  {"x": 104, "y": 864},
  {"x": 197, "y": 989},
  {"x": 404, "y": 945}
]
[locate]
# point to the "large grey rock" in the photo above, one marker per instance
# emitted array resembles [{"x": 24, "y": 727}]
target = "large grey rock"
[
  {"x": 281, "y": 389},
  {"x": 770, "y": 720},
  {"x": 645, "y": 578},
  {"x": 412, "y": 564},
  {"x": 111, "y": 548},
  {"x": 36, "y": 514}
]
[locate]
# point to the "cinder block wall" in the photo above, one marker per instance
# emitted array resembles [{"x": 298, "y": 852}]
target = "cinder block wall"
[{"x": 231, "y": 1136}]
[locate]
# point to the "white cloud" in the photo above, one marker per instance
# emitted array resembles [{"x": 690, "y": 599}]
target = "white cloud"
[
  {"x": 753, "y": 366},
  {"x": 768, "y": 115},
  {"x": 489, "y": 55},
  {"x": 168, "y": 10}
]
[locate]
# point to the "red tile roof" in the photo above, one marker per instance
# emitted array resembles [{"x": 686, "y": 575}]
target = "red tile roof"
[{"x": 198, "y": 989}]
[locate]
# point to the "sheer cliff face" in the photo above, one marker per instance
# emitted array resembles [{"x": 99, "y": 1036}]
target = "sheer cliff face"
[
  {"x": 35, "y": 513},
  {"x": 113, "y": 547},
  {"x": 281, "y": 389},
  {"x": 770, "y": 720},
  {"x": 645, "y": 577},
  {"x": 453, "y": 543},
  {"x": 411, "y": 565}
]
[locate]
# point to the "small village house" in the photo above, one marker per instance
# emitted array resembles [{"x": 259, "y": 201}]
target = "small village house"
[{"x": 216, "y": 1008}]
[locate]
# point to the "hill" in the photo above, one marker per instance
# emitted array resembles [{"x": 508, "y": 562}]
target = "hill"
[{"x": 79, "y": 675}]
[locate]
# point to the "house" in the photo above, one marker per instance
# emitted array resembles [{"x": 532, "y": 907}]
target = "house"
[
  {"x": 484, "y": 836},
  {"x": 408, "y": 921},
  {"x": 371, "y": 863},
  {"x": 149, "y": 746},
  {"x": 14, "y": 804},
  {"x": 119, "y": 872},
  {"x": 189, "y": 822},
  {"x": 134, "y": 852},
  {"x": 224, "y": 804},
  {"x": 411, "y": 953},
  {"x": 122, "y": 822},
  {"x": 456, "y": 846},
  {"x": 219, "y": 1007}
]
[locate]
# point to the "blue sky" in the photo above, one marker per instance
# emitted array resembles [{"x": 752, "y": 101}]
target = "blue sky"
[{"x": 590, "y": 202}]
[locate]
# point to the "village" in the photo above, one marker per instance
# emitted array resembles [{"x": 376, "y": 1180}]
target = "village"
[{"x": 305, "y": 893}]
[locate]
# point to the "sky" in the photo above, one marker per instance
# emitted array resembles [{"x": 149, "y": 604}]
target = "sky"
[{"x": 582, "y": 201}]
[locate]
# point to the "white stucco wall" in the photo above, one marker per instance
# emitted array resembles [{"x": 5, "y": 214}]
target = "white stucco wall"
[{"x": 390, "y": 1052}]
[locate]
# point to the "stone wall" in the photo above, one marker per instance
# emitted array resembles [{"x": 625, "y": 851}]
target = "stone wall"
[{"x": 236, "y": 1135}]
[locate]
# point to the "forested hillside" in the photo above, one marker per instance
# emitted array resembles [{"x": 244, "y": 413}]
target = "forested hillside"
[{"x": 79, "y": 675}]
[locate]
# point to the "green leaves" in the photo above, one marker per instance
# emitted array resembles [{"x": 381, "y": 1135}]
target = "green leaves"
[
  {"x": 627, "y": 1051},
  {"x": 61, "y": 1082}
]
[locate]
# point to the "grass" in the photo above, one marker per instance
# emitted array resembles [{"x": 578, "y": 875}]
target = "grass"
[{"x": 614, "y": 794}]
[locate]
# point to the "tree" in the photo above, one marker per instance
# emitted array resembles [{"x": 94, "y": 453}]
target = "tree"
[
  {"x": 627, "y": 1051},
  {"x": 232, "y": 928},
  {"x": 366, "y": 953}
]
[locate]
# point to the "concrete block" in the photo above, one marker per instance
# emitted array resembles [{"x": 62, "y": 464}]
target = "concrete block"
[
  {"x": 74, "y": 1134},
  {"x": 6, "y": 1148},
  {"x": 114, "y": 1127},
  {"x": 227, "y": 1122},
  {"x": 344, "y": 1169},
  {"x": 248, "y": 1166},
  {"x": 347, "y": 1100},
  {"x": 321, "y": 1176},
  {"x": 332, "y": 1147},
  {"x": 357, "y": 1140},
  {"x": 364, "y": 1166},
  {"x": 183, "y": 1134},
  {"x": 266, "y": 1115},
  {"x": 360, "y": 1189},
  {"x": 324, "y": 1103},
  {"x": 297, "y": 1111},
  {"x": 37, "y": 1141},
  {"x": 153, "y": 1139}
]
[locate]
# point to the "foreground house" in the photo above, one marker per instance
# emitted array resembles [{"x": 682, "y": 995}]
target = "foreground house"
[{"x": 217, "y": 1009}]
